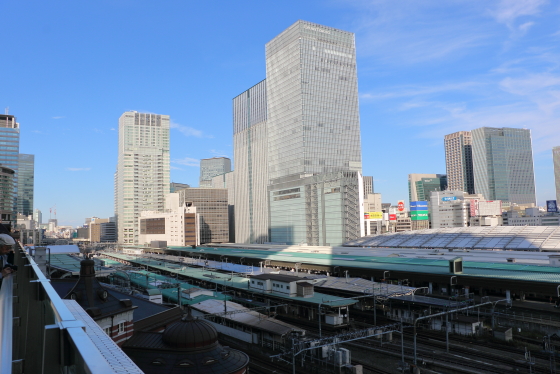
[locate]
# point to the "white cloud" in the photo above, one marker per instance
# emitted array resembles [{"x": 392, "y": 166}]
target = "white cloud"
[
  {"x": 187, "y": 161},
  {"x": 113, "y": 129},
  {"x": 78, "y": 169},
  {"x": 508, "y": 11},
  {"x": 407, "y": 91},
  {"x": 186, "y": 130},
  {"x": 58, "y": 117}
]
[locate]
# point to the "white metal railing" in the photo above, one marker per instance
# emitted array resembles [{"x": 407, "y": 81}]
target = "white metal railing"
[
  {"x": 47, "y": 338},
  {"x": 6, "y": 320}
]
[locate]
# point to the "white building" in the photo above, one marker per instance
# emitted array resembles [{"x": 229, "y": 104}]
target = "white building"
[
  {"x": 451, "y": 208},
  {"x": 177, "y": 225},
  {"x": 142, "y": 176}
]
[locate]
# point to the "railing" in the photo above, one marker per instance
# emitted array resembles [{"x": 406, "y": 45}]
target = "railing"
[{"x": 46, "y": 336}]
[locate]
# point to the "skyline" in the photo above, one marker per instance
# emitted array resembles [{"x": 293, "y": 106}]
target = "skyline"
[{"x": 425, "y": 70}]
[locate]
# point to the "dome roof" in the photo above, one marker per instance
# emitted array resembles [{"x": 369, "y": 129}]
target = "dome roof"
[{"x": 191, "y": 334}]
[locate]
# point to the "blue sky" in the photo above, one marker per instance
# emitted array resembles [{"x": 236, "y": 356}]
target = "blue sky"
[{"x": 69, "y": 69}]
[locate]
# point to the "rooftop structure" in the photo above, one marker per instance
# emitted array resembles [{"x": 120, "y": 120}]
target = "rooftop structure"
[{"x": 528, "y": 238}]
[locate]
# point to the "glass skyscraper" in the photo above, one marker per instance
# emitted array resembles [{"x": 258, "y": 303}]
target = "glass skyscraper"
[
  {"x": 503, "y": 164},
  {"x": 211, "y": 167},
  {"x": 315, "y": 187},
  {"x": 25, "y": 187},
  {"x": 312, "y": 93},
  {"x": 556, "y": 160},
  {"x": 9, "y": 151},
  {"x": 142, "y": 177},
  {"x": 250, "y": 153}
]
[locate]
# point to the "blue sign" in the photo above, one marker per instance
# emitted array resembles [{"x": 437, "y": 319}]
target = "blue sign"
[
  {"x": 418, "y": 205},
  {"x": 449, "y": 198},
  {"x": 551, "y": 206}
]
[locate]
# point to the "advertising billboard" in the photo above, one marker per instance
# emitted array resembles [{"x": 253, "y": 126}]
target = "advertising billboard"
[
  {"x": 400, "y": 205},
  {"x": 419, "y": 215},
  {"x": 551, "y": 206},
  {"x": 373, "y": 215},
  {"x": 474, "y": 208},
  {"x": 418, "y": 205},
  {"x": 449, "y": 198},
  {"x": 392, "y": 217}
]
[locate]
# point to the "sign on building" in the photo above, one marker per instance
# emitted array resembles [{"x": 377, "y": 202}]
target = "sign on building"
[
  {"x": 551, "y": 206},
  {"x": 419, "y": 210}
]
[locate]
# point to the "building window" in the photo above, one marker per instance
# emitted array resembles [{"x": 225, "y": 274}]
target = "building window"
[
  {"x": 107, "y": 330},
  {"x": 121, "y": 327}
]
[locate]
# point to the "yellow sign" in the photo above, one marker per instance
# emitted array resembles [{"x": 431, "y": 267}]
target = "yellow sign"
[{"x": 373, "y": 215}]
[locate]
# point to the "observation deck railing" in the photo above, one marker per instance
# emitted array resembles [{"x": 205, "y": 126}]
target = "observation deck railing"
[{"x": 44, "y": 335}]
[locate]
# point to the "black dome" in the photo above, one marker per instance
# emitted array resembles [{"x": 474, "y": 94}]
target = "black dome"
[{"x": 191, "y": 334}]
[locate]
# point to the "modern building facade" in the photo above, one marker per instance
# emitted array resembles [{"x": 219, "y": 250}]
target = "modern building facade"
[
  {"x": 315, "y": 187},
  {"x": 556, "y": 160},
  {"x": 38, "y": 216},
  {"x": 9, "y": 151},
  {"x": 174, "y": 187},
  {"x": 420, "y": 185},
  {"x": 26, "y": 183},
  {"x": 450, "y": 208},
  {"x": 227, "y": 181},
  {"x": 312, "y": 93},
  {"x": 178, "y": 225},
  {"x": 250, "y": 152},
  {"x": 503, "y": 164},
  {"x": 7, "y": 212},
  {"x": 212, "y": 207},
  {"x": 368, "y": 185},
  {"x": 210, "y": 167},
  {"x": 323, "y": 209},
  {"x": 459, "y": 162},
  {"x": 142, "y": 177}
]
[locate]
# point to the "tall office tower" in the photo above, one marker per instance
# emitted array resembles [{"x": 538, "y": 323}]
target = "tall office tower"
[
  {"x": 556, "y": 160},
  {"x": 313, "y": 129},
  {"x": 25, "y": 188},
  {"x": 420, "y": 185},
  {"x": 210, "y": 167},
  {"x": 503, "y": 164},
  {"x": 7, "y": 213},
  {"x": 459, "y": 162},
  {"x": 312, "y": 93},
  {"x": 142, "y": 177},
  {"x": 38, "y": 216},
  {"x": 251, "y": 165},
  {"x": 368, "y": 185},
  {"x": 9, "y": 152},
  {"x": 212, "y": 206}
]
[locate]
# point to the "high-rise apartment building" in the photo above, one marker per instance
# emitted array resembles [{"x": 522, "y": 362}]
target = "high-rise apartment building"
[
  {"x": 420, "y": 185},
  {"x": 312, "y": 93},
  {"x": 25, "y": 188},
  {"x": 142, "y": 177},
  {"x": 315, "y": 187},
  {"x": 503, "y": 164},
  {"x": 250, "y": 152},
  {"x": 9, "y": 152},
  {"x": 556, "y": 160},
  {"x": 211, "y": 167},
  {"x": 459, "y": 162}
]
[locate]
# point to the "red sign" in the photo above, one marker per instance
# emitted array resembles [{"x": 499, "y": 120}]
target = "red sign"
[
  {"x": 392, "y": 217},
  {"x": 400, "y": 206}
]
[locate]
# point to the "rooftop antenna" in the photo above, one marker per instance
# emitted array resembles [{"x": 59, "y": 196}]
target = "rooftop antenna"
[{"x": 7, "y": 110}]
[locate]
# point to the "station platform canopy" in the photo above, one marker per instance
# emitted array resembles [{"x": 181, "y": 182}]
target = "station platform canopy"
[{"x": 525, "y": 238}]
